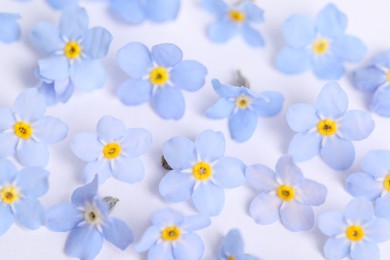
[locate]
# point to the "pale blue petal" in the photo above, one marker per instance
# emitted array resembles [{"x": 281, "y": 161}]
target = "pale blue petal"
[
  {"x": 32, "y": 154},
  {"x": 261, "y": 178},
  {"x": 29, "y": 105},
  {"x": 378, "y": 230},
  {"x": 233, "y": 245},
  {"x": 380, "y": 102},
  {"x": 162, "y": 10},
  {"x": 168, "y": 103},
  {"x": 110, "y": 129},
  {"x": 7, "y": 218},
  {"x": 101, "y": 168},
  {"x": 118, "y": 233},
  {"x": 195, "y": 222},
  {"x": 218, "y": 7},
  {"x": 311, "y": 192},
  {"x": 188, "y": 75},
  {"x": 64, "y": 217},
  {"x": 376, "y": 163},
  {"x": 176, "y": 186},
  {"x": 382, "y": 59},
  {"x": 253, "y": 13},
  {"x": 166, "y": 216},
  {"x": 228, "y": 172},
  {"x": 73, "y": 22},
  {"x": 221, "y": 31},
  {"x": 8, "y": 143},
  {"x": 84, "y": 242},
  {"x": 148, "y": 239},
  {"x": 242, "y": 125},
  {"x": 86, "y": 146},
  {"x": 299, "y": 31},
  {"x": 85, "y": 194},
  {"x": 8, "y": 172},
  {"x": 368, "y": 79},
  {"x": 359, "y": 210},
  {"x": 134, "y": 59},
  {"x": 135, "y": 91},
  {"x": 210, "y": 145},
  {"x": 365, "y": 250},
  {"x": 9, "y": 28},
  {"x": 331, "y": 22},
  {"x": 97, "y": 43},
  {"x": 363, "y": 185},
  {"x": 331, "y": 223},
  {"x": 293, "y": 61},
  {"x": 327, "y": 67},
  {"x": 302, "y": 117},
  {"x": 88, "y": 75},
  {"x": 208, "y": 198},
  {"x": 30, "y": 213},
  {"x": 136, "y": 142},
  {"x": 220, "y": 109},
  {"x": 226, "y": 91},
  {"x": 191, "y": 248},
  {"x": 252, "y": 37},
  {"x": 130, "y": 11},
  {"x": 287, "y": 171},
  {"x": 338, "y": 153},
  {"x": 130, "y": 170},
  {"x": 33, "y": 182},
  {"x": 337, "y": 248},
  {"x": 269, "y": 104},
  {"x": 161, "y": 251},
  {"x": 382, "y": 207},
  {"x": 60, "y": 4},
  {"x": 166, "y": 54},
  {"x": 179, "y": 152},
  {"x": 7, "y": 119},
  {"x": 46, "y": 37},
  {"x": 349, "y": 48},
  {"x": 50, "y": 130},
  {"x": 54, "y": 68},
  {"x": 264, "y": 209},
  {"x": 303, "y": 147},
  {"x": 356, "y": 125},
  {"x": 332, "y": 101},
  {"x": 296, "y": 216}
]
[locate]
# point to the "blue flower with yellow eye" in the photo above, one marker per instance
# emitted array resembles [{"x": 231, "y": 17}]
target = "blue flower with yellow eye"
[
  {"x": 158, "y": 75},
  {"x": 328, "y": 128},
  {"x": 233, "y": 20},
  {"x": 26, "y": 131},
  {"x": 74, "y": 50},
  {"x": 321, "y": 45},
  {"x": 9, "y": 28},
  {"x": 19, "y": 193},
  {"x": 112, "y": 150},
  {"x": 242, "y": 106},
  {"x": 88, "y": 220},
  {"x": 233, "y": 247},
  {"x": 172, "y": 236}
]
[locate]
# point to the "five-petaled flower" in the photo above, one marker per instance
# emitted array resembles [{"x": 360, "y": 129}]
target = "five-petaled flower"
[
  {"x": 88, "y": 219},
  {"x": 201, "y": 171},
  {"x": 19, "y": 192},
  {"x": 243, "y": 106},
  {"x": 328, "y": 128},
  {"x": 233, "y": 247},
  {"x": 158, "y": 75},
  {"x": 112, "y": 150},
  {"x": 172, "y": 236},
  {"x": 25, "y": 130},
  {"x": 284, "y": 194},
  {"x": 233, "y": 20},
  {"x": 354, "y": 232},
  {"x": 9, "y": 28},
  {"x": 322, "y": 46}
]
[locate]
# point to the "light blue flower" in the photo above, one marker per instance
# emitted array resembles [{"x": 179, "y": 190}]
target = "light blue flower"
[
  {"x": 284, "y": 195},
  {"x": 375, "y": 78},
  {"x": 201, "y": 171},
  {"x": 88, "y": 220},
  {"x": 233, "y": 20},
  {"x": 233, "y": 247},
  {"x": 373, "y": 182},
  {"x": 74, "y": 50},
  {"x": 55, "y": 91},
  {"x": 9, "y": 28},
  {"x": 353, "y": 233},
  {"x": 328, "y": 128},
  {"x": 19, "y": 193},
  {"x": 322, "y": 46},
  {"x": 158, "y": 75},
  {"x": 242, "y": 106},
  {"x": 26, "y": 131},
  {"x": 172, "y": 236},
  {"x": 112, "y": 150}
]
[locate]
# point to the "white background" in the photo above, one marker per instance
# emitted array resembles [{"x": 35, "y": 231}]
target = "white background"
[{"x": 368, "y": 20}]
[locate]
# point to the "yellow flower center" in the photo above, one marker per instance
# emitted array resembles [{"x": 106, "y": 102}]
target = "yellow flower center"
[
  {"x": 170, "y": 233},
  {"x": 327, "y": 127},
  {"x": 354, "y": 233},
  {"x": 388, "y": 76},
  {"x": 237, "y": 16},
  {"x": 72, "y": 50},
  {"x": 23, "y": 130},
  {"x": 231, "y": 258},
  {"x": 202, "y": 171},
  {"x": 386, "y": 183},
  {"x": 9, "y": 194},
  {"x": 320, "y": 46},
  {"x": 159, "y": 76},
  {"x": 286, "y": 192},
  {"x": 243, "y": 102},
  {"x": 111, "y": 150}
]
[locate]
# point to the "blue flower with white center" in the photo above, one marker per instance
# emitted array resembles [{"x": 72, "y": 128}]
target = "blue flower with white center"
[
  {"x": 200, "y": 171},
  {"x": 284, "y": 195},
  {"x": 373, "y": 183},
  {"x": 172, "y": 236},
  {"x": 88, "y": 220},
  {"x": 26, "y": 131},
  {"x": 112, "y": 150},
  {"x": 375, "y": 78},
  {"x": 242, "y": 106},
  {"x": 9, "y": 28},
  {"x": 158, "y": 75},
  {"x": 322, "y": 46},
  {"x": 233, "y": 247},
  {"x": 233, "y": 20},
  {"x": 355, "y": 232},
  {"x": 328, "y": 128},
  {"x": 19, "y": 193},
  {"x": 74, "y": 50}
]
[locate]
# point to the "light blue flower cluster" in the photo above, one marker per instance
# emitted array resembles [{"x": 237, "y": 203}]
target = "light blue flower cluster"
[
  {"x": 9, "y": 28},
  {"x": 233, "y": 247}
]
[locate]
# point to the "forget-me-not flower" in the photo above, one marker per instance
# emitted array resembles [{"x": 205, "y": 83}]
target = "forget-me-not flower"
[
  {"x": 112, "y": 150},
  {"x": 158, "y": 75},
  {"x": 375, "y": 78},
  {"x": 373, "y": 182},
  {"x": 355, "y": 232},
  {"x": 88, "y": 220},
  {"x": 172, "y": 236},
  {"x": 75, "y": 51},
  {"x": 242, "y": 106},
  {"x": 9, "y": 28},
  {"x": 233, "y": 20},
  {"x": 26, "y": 131},
  {"x": 328, "y": 128},
  {"x": 200, "y": 171},
  {"x": 19, "y": 193},
  {"x": 233, "y": 247},
  {"x": 322, "y": 46},
  {"x": 284, "y": 195}
]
